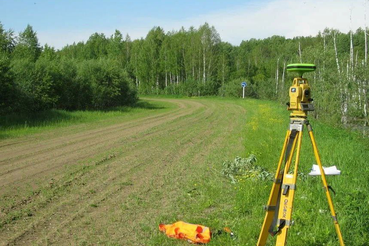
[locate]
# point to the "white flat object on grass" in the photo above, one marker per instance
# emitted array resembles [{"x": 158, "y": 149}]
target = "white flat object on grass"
[{"x": 327, "y": 170}]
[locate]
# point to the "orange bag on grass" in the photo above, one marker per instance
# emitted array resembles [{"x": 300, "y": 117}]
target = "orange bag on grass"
[{"x": 190, "y": 232}]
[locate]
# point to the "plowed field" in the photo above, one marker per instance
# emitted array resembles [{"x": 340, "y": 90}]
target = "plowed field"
[{"x": 111, "y": 184}]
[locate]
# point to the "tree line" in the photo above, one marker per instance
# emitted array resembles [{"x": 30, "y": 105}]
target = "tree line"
[
  {"x": 35, "y": 78},
  {"x": 109, "y": 71}
]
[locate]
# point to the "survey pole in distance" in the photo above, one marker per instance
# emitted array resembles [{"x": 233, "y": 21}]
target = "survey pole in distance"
[{"x": 243, "y": 84}]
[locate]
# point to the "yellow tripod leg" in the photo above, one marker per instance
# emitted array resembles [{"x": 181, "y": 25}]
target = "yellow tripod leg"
[
  {"x": 325, "y": 184},
  {"x": 287, "y": 196},
  {"x": 273, "y": 197}
]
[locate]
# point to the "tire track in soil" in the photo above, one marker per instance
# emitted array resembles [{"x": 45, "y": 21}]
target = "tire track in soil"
[
  {"x": 131, "y": 144},
  {"x": 52, "y": 225},
  {"x": 187, "y": 109},
  {"x": 136, "y": 215},
  {"x": 20, "y": 149},
  {"x": 51, "y": 156}
]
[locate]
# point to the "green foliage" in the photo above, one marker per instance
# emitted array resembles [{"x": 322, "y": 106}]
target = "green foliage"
[
  {"x": 190, "y": 88},
  {"x": 34, "y": 79},
  {"x": 7, "y": 90},
  {"x": 29, "y": 90},
  {"x": 244, "y": 168},
  {"x": 233, "y": 88},
  {"x": 96, "y": 46},
  {"x": 7, "y": 41},
  {"x": 108, "y": 85},
  {"x": 36, "y": 83},
  {"x": 27, "y": 46},
  {"x": 66, "y": 84},
  {"x": 106, "y": 71}
]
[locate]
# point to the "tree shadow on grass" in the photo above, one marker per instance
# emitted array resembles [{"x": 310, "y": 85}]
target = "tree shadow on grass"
[
  {"x": 140, "y": 104},
  {"x": 147, "y": 105},
  {"x": 24, "y": 120},
  {"x": 51, "y": 117}
]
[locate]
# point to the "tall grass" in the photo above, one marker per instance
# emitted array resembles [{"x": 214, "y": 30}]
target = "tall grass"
[{"x": 265, "y": 130}]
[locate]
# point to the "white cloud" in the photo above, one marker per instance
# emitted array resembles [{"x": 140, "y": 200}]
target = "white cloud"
[
  {"x": 287, "y": 18},
  {"x": 60, "y": 38}
]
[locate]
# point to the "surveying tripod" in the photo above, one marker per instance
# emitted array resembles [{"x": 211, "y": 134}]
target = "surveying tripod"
[{"x": 278, "y": 220}]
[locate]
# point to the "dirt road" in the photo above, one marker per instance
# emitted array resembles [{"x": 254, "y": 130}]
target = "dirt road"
[{"x": 107, "y": 185}]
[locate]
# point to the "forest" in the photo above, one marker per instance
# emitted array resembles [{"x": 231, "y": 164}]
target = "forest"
[{"x": 105, "y": 72}]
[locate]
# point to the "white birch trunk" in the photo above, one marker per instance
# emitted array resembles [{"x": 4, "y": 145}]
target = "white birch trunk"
[
  {"x": 335, "y": 52},
  {"x": 184, "y": 62},
  {"x": 277, "y": 77},
  {"x": 209, "y": 65},
  {"x": 351, "y": 55},
  {"x": 366, "y": 46},
  {"x": 204, "y": 66},
  {"x": 347, "y": 69},
  {"x": 359, "y": 92},
  {"x": 344, "y": 98},
  {"x": 223, "y": 70},
  {"x": 157, "y": 84},
  {"x": 166, "y": 79},
  {"x": 283, "y": 74},
  {"x": 324, "y": 50},
  {"x": 344, "y": 106},
  {"x": 365, "y": 38},
  {"x": 359, "y": 85},
  {"x": 248, "y": 67},
  {"x": 365, "y": 103},
  {"x": 166, "y": 72},
  {"x": 199, "y": 64}
]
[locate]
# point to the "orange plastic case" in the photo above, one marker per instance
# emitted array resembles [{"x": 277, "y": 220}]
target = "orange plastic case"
[{"x": 191, "y": 232}]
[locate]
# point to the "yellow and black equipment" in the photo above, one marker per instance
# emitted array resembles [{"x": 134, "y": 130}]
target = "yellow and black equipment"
[{"x": 278, "y": 218}]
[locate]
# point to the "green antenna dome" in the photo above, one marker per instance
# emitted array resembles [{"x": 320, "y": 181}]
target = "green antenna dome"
[{"x": 301, "y": 68}]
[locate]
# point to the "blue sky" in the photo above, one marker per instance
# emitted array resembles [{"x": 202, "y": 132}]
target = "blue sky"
[
  {"x": 62, "y": 22},
  {"x": 48, "y": 15}
]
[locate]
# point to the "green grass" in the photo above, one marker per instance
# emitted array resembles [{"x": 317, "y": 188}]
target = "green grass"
[
  {"x": 212, "y": 200},
  {"x": 23, "y": 124},
  {"x": 206, "y": 197},
  {"x": 265, "y": 131}
]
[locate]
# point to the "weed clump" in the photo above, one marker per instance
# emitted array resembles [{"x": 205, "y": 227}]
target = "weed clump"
[{"x": 244, "y": 168}]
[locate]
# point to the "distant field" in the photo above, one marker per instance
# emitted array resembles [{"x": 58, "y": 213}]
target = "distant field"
[{"x": 110, "y": 178}]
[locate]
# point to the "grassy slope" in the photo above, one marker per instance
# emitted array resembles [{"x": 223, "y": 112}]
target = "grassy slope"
[{"x": 199, "y": 194}]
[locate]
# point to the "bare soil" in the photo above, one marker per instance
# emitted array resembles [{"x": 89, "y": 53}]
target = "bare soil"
[{"x": 108, "y": 185}]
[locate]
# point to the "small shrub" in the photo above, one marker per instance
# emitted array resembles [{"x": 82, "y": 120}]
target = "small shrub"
[{"x": 244, "y": 168}]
